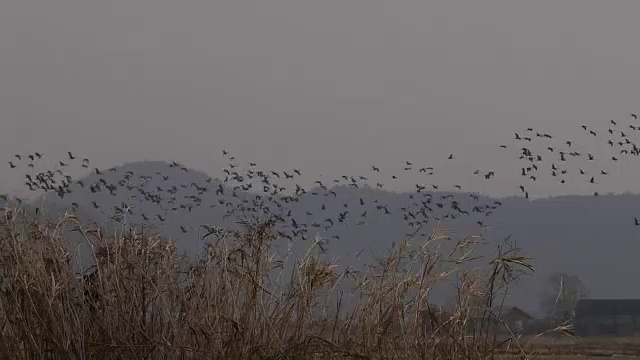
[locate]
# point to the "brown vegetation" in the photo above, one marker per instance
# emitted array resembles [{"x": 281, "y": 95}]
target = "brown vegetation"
[{"x": 240, "y": 299}]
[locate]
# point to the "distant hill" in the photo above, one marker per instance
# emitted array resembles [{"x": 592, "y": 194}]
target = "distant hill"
[{"x": 593, "y": 237}]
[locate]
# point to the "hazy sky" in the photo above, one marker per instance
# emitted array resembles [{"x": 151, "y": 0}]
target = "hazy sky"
[{"x": 328, "y": 86}]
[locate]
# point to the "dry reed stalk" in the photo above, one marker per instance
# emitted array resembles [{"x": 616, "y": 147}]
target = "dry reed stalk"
[{"x": 141, "y": 300}]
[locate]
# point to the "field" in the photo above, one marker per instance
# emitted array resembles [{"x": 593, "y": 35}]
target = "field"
[{"x": 567, "y": 348}]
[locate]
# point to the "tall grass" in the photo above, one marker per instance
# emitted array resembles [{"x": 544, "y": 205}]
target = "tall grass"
[{"x": 241, "y": 299}]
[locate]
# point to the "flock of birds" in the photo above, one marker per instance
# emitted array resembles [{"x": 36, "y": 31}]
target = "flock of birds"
[
  {"x": 273, "y": 196},
  {"x": 259, "y": 194},
  {"x": 544, "y": 155}
]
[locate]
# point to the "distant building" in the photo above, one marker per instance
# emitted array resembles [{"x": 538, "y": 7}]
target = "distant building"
[
  {"x": 432, "y": 318},
  {"x": 506, "y": 320},
  {"x": 607, "y": 317}
]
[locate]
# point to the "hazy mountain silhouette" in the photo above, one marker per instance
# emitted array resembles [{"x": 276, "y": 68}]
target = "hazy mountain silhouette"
[{"x": 592, "y": 237}]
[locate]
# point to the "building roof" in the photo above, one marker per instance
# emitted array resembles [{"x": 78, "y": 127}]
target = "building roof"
[
  {"x": 505, "y": 310},
  {"x": 513, "y": 309},
  {"x": 607, "y": 306}
]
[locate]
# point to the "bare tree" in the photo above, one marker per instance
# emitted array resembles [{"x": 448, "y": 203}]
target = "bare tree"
[{"x": 560, "y": 294}]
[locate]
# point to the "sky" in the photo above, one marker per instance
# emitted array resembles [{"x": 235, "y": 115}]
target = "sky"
[{"x": 327, "y": 86}]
